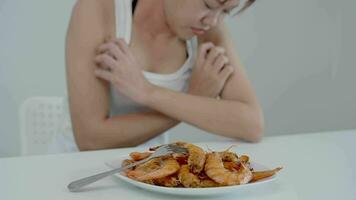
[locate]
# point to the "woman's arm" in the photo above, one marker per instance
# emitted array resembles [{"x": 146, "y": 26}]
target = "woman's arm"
[
  {"x": 238, "y": 113},
  {"x": 91, "y": 22}
]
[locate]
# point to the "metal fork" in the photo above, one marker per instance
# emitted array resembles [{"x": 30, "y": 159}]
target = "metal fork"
[{"x": 162, "y": 151}]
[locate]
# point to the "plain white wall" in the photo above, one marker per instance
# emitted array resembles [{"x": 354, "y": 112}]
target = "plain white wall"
[
  {"x": 299, "y": 55},
  {"x": 304, "y": 64},
  {"x": 31, "y": 59}
]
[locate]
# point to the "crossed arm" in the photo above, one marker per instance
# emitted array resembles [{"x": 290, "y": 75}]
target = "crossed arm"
[{"x": 237, "y": 114}]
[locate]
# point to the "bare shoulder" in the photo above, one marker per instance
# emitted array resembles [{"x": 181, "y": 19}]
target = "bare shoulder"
[
  {"x": 93, "y": 14},
  {"x": 101, "y": 7}
]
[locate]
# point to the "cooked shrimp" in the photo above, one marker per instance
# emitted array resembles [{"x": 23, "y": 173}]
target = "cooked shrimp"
[
  {"x": 214, "y": 168},
  {"x": 168, "y": 181},
  {"x": 167, "y": 167},
  {"x": 150, "y": 165},
  {"x": 127, "y": 162},
  {"x": 264, "y": 174},
  {"x": 244, "y": 159},
  {"x": 136, "y": 156},
  {"x": 232, "y": 166},
  {"x": 182, "y": 159},
  {"x": 228, "y": 156},
  {"x": 208, "y": 183},
  {"x": 144, "y": 168},
  {"x": 196, "y": 159},
  {"x": 186, "y": 178},
  {"x": 205, "y": 181}
]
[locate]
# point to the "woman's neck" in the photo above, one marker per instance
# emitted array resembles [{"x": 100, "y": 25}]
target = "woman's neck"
[{"x": 151, "y": 21}]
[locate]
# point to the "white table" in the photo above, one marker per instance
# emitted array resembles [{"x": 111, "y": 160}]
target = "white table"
[{"x": 316, "y": 166}]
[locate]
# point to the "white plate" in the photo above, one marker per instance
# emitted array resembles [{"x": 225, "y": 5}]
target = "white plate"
[{"x": 195, "y": 191}]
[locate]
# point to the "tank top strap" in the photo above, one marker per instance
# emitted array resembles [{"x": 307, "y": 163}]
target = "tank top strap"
[{"x": 123, "y": 17}]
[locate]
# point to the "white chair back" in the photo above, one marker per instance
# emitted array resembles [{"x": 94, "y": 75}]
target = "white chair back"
[{"x": 39, "y": 117}]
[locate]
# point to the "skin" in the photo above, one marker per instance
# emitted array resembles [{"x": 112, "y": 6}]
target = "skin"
[{"x": 157, "y": 45}]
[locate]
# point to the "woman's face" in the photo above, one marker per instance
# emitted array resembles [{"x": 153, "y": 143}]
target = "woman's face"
[{"x": 187, "y": 18}]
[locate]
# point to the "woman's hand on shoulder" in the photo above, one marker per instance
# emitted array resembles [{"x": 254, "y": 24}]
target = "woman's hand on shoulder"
[
  {"x": 117, "y": 65},
  {"x": 210, "y": 72}
]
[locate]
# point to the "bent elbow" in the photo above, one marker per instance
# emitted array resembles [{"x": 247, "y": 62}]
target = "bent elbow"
[
  {"x": 85, "y": 146},
  {"x": 254, "y": 127},
  {"x": 257, "y": 131},
  {"x": 256, "y": 136},
  {"x": 86, "y": 143},
  {"x": 85, "y": 139}
]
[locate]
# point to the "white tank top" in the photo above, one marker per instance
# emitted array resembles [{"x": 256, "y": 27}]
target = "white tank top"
[{"x": 120, "y": 104}]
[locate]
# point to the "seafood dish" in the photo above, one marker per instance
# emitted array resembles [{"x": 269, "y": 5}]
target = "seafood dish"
[{"x": 196, "y": 169}]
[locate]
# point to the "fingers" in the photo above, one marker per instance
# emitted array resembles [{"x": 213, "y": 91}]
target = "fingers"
[
  {"x": 203, "y": 51},
  {"x": 105, "y": 62},
  {"x": 110, "y": 49},
  {"x": 213, "y": 54},
  {"x": 216, "y": 60},
  {"x": 226, "y": 72},
  {"x": 104, "y": 74},
  {"x": 123, "y": 45},
  {"x": 117, "y": 48},
  {"x": 112, "y": 52},
  {"x": 220, "y": 62},
  {"x": 110, "y": 55}
]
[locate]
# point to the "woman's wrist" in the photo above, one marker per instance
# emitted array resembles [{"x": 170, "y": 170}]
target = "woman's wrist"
[{"x": 147, "y": 94}]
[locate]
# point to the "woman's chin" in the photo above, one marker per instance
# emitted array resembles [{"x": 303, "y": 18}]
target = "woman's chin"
[{"x": 187, "y": 35}]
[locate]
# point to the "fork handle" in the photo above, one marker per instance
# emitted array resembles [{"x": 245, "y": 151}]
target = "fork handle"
[{"x": 76, "y": 185}]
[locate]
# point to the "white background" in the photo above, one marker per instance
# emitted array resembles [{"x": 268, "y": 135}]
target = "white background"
[{"x": 299, "y": 55}]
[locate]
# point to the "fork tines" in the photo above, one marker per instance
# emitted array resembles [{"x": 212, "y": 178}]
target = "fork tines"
[{"x": 177, "y": 149}]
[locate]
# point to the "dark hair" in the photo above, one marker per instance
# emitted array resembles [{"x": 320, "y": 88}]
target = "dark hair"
[{"x": 247, "y": 5}]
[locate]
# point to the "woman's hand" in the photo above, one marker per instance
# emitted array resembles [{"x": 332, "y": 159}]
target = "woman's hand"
[
  {"x": 210, "y": 72},
  {"x": 117, "y": 65}
]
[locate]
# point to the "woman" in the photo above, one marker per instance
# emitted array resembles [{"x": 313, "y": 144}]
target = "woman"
[{"x": 137, "y": 68}]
